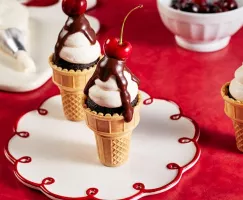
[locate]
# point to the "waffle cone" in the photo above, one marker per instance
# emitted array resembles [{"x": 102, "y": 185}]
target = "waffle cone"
[
  {"x": 239, "y": 134},
  {"x": 234, "y": 110},
  {"x": 72, "y": 104},
  {"x": 112, "y": 133},
  {"x": 71, "y": 84}
]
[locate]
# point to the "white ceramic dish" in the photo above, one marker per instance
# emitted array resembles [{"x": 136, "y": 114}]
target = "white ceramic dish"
[
  {"x": 45, "y": 24},
  {"x": 59, "y": 157},
  {"x": 201, "y": 32}
]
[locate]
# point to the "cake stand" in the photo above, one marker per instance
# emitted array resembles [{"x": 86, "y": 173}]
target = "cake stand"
[
  {"x": 59, "y": 158},
  {"x": 44, "y": 29}
]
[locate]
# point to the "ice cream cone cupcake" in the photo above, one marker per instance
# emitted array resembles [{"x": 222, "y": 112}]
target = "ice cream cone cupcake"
[
  {"x": 232, "y": 93},
  {"x": 74, "y": 61},
  {"x": 112, "y": 103}
]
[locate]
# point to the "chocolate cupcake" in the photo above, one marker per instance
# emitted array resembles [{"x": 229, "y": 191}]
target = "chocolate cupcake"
[
  {"x": 72, "y": 66},
  {"x": 99, "y": 109}
]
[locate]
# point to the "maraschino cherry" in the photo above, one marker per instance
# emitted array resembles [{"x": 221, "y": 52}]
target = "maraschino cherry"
[
  {"x": 74, "y": 7},
  {"x": 117, "y": 48},
  {"x": 200, "y": 2}
]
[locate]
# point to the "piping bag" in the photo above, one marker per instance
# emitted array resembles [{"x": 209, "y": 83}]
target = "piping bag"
[{"x": 12, "y": 43}]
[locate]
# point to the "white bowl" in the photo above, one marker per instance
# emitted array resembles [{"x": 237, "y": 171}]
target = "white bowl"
[{"x": 201, "y": 32}]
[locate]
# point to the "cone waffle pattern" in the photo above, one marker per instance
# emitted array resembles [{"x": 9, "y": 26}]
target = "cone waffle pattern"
[
  {"x": 113, "y": 134},
  {"x": 234, "y": 110},
  {"x": 71, "y": 84},
  {"x": 239, "y": 135},
  {"x": 72, "y": 105},
  {"x": 113, "y": 151}
]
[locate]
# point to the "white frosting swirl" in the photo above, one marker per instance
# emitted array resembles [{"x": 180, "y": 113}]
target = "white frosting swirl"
[
  {"x": 107, "y": 94},
  {"x": 236, "y": 85},
  {"x": 78, "y": 49}
]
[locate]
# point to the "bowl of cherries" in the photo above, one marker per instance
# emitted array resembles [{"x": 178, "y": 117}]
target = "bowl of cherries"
[{"x": 202, "y": 25}]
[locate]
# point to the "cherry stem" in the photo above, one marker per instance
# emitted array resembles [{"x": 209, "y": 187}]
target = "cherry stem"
[{"x": 123, "y": 24}]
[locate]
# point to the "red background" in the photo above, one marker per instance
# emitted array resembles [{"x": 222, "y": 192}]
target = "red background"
[{"x": 193, "y": 80}]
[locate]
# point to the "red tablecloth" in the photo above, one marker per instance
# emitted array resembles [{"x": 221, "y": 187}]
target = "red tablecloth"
[{"x": 193, "y": 80}]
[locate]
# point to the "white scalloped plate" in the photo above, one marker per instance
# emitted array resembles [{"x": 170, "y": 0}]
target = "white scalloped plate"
[
  {"x": 45, "y": 24},
  {"x": 59, "y": 158}
]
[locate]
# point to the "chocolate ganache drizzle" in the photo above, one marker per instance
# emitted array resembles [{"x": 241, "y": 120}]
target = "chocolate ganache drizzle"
[
  {"x": 78, "y": 24},
  {"x": 108, "y": 67}
]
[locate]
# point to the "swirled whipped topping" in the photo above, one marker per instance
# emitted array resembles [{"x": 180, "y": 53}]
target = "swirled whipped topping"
[
  {"x": 77, "y": 42},
  {"x": 107, "y": 94},
  {"x": 236, "y": 85}
]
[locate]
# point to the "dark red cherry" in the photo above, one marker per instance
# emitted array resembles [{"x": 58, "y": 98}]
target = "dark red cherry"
[
  {"x": 190, "y": 7},
  {"x": 114, "y": 49},
  {"x": 74, "y": 7},
  {"x": 176, "y": 4},
  {"x": 215, "y": 9},
  {"x": 228, "y": 4},
  {"x": 183, "y": 1},
  {"x": 200, "y": 2},
  {"x": 204, "y": 9},
  {"x": 232, "y": 5},
  {"x": 224, "y": 4}
]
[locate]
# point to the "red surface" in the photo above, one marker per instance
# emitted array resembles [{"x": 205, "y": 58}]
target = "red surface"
[{"x": 193, "y": 80}]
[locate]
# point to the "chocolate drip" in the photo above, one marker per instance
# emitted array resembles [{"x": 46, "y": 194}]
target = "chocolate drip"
[
  {"x": 134, "y": 78},
  {"x": 108, "y": 67},
  {"x": 79, "y": 24}
]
